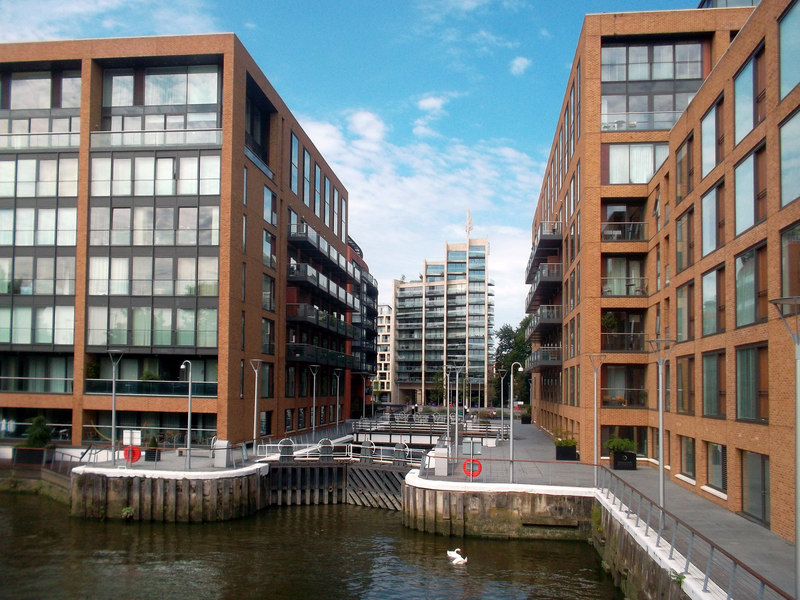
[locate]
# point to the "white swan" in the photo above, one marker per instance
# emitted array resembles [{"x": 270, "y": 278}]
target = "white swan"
[
  {"x": 454, "y": 554},
  {"x": 460, "y": 560}
]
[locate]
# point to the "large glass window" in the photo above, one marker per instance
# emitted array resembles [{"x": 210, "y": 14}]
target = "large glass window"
[
  {"x": 684, "y": 170},
  {"x": 684, "y": 240},
  {"x": 755, "y": 486},
  {"x": 30, "y": 90},
  {"x": 790, "y": 261},
  {"x": 790, "y": 49},
  {"x": 294, "y": 169},
  {"x": 714, "y": 301},
  {"x": 752, "y": 393},
  {"x": 751, "y": 286},
  {"x": 717, "y": 466},
  {"x": 712, "y": 138},
  {"x": 687, "y": 456},
  {"x": 713, "y": 205},
  {"x": 790, "y": 155},
  {"x": 749, "y": 88},
  {"x": 751, "y": 190},
  {"x": 633, "y": 163},
  {"x": 685, "y": 381},
  {"x": 714, "y": 384}
]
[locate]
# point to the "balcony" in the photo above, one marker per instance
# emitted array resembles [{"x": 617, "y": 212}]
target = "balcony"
[
  {"x": 36, "y": 385},
  {"x": 624, "y": 286},
  {"x": 547, "y": 278},
  {"x": 303, "y": 236},
  {"x": 101, "y": 140},
  {"x": 639, "y": 121},
  {"x": 306, "y": 313},
  {"x": 543, "y": 358},
  {"x": 547, "y": 241},
  {"x": 618, "y": 231},
  {"x": 623, "y": 342},
  {"x": 307, "y": 353},
  {"x": 27, "y": 141},
  {"x": 131, "y": 387},
  {"x": 544, "y": 318},
  {"x": 305, "y": 275},
  {"x": 623, "y": 398}
]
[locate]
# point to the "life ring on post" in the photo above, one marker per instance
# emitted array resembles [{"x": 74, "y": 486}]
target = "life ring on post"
[
  {"x": 470, "y": 472},
  {"x": 132, "y": 453}
]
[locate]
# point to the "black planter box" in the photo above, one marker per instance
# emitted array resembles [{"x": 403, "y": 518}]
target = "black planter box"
[
  {"x": 623, "y": 461},
  {"x": 152, "y": 455},
  {"x": 566, "y": 453},
  {"x": 526, "y": 420},
  {"x": 30, "y": 456}
]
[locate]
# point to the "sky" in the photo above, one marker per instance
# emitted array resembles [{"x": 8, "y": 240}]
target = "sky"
[{"x": 425, "y": 109}]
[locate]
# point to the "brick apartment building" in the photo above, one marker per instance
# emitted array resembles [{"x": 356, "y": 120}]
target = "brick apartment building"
[
  {"x": 161, "y": 204},
  {"x": 668, "y": 211}
]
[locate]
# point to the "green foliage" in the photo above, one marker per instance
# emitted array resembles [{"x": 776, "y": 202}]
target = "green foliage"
[
  {"x": 39, "y": 434},
  {"x": 149, "y": 376},
  {"x": 677, "y": 578},
  {"x": 511, "y": 348},
  {"x": 566, "y": 442},
  {"x": 127, "y": 512},
  {"x": 620, "y": 445},
  {"x": 597, "y": 519},
  {"x": 153, "y": 443}
]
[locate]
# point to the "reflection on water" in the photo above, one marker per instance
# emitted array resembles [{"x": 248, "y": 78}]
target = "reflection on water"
[{"x": 292, "y": 552}]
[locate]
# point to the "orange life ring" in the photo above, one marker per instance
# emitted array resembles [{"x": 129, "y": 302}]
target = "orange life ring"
[
  {"x": 472, "y": 472},
  {"x": 132, "y": 453}
]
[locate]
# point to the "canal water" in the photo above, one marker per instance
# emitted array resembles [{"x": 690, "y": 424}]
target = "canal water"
[{"x": 316, "y": 552}]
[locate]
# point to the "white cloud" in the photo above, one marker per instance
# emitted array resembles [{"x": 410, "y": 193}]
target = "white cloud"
[
  {"x": 367, "y": 126},
  {"x": 519, "y": 65},
  {"x": 543, "y": 32},
  {"x": 432, "y": 103},
  {"x": 407, "y": 201}
]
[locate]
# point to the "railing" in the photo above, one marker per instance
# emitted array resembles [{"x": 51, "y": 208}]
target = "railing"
[
  {"x": 36, "y": 385},
  {"x": 623, "y": 231},
  {"x": 172, "y": 137},
  {"x": 314, "y": 354},
  {"x": 623, "y": 397},
  {"x": 545, "y": 356},
  {"x": 701, "y": 556},
  {"x": 639, "y": 121},
  {"x": 134, "y": 387},
  {"x": 316, "y": 316},
  {"x": 167, "y": 437},
  {"x": 398, "y": 454},
  {"x": 623, "y": 342},
  {"x": 40, "y": 140},
  {"x": 624, "y": 286}
]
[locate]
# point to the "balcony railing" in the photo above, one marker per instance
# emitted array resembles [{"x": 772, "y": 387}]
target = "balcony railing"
[
  {"x": 133, "y": 387},
  {"x": 307, "y": 353},
  {"x": 639, "y": 121},
  {"x": 623, "y": 342},
  {"x": 310, "y": 314},
  {"x": 547, "y": 356},
  {"x": 624, "y": 286},
  {"x": 546, "y": 314},
  {"x": 623, "y": 231},
  {"x": 36, "y": 385},
  {"x": 302, "y": 233},
  {"x": 623, "y": 397},
  {"x": 21, "y": 141},
  {"x": 305, "y": 273},
  {"x": 172, "y": 137}
]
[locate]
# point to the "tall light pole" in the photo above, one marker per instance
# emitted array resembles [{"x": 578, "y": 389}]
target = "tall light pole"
[
  {"x": 662, "y": 349},
  {"x": 503, "y": 373},
  {"x": 789, "y": 310},
  {"x": 337, "y": 372},
  {"x": 256, "y": 364},
  {"x": 597, "y": 362},
  {"x": 189, "y": 420},
  {"x": 115, "y": 356},
  {"x": 314, "y": 369},
  {"x": 511, "y": 433},
  {"x": 458, "y": 372}
]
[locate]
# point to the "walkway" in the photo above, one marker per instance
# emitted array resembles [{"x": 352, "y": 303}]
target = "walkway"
[{"x": 754, "y": 545}]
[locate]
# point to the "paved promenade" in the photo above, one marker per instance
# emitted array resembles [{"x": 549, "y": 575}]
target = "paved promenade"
[{"x": 754, "y": 545}]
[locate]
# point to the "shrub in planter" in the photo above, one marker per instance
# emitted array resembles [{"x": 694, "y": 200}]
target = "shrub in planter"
[
  {"x": 153, "y": 453},
  {"x": 566, "y": 449},
  {"x": 623, "y": 453}
]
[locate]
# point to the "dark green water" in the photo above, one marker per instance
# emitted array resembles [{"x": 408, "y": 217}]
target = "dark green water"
[{"x": 315, "y": 552}]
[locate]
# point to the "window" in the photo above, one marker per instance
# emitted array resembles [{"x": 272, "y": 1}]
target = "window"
[
  {"x": 790, "y": 157},
  {"x": 317, "y": 191},
  {"x": 717, "y": 466},
  {"x": 790, "y": 261},
  {"x": 687, "y": 456},
  {"x": 751, "y": 190},
  {"x": 684, "y": 242},
  {"x": 714, "y": 384},
  {"x": 755, "y": 486},
  {"x": 301, "y": 417},
  {"x": 287, "y": 419},
  {"x": 30, "y": 90},
  {"x": 684, "y": 171},
  {"x": 751, "y": 286},
  {"x": 268, "y": 293},
  {"x": 713, "y": 206},
  {"x": 685, "y": 382},
  {"x": 268, "y": 257},
  {"x": 270, "y": 207},
  {"x": 290, "y": 382},
  {"x": 789, "y": 49},
  {"x": 712, "y": 138},
  {"x": 267, "y": 333},
  {"x": 294, "y": 170},
  {"x": 752, "y": 394},
  {"x": 658, "y": 61},
  {"x": 749, "y": 88},
  {"x": 714, "y": 301},
  {"x": 631, "y": 163}
]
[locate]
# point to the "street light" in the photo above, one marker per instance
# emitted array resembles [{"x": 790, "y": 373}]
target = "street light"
[
  {"x": 662, "y": 349},
  {"x": 503, "y": 373},
  {"x": 789, "y": 310},
  {"x": 115, "y": 356},
  {"x": 511, "y": 433},
  {"x": 314, "y": 369},
  {"x": 597, "y": 362},
  {"x": 189, "y": 420},
  {"x": 256, "y": 364},
  {"x": 337, "y": 372}
]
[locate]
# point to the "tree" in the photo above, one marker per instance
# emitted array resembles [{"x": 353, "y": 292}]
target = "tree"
[
  {"x": 511, "y": 348},
  {"x": 39, "y": 434}
]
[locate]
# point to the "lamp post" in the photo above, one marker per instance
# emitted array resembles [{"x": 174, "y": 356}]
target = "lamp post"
[
  {"x": 458, "y": 372},
  {"x": 662, "y": 349},
  {"x": 256, "y": 364},
  {"x": 115, "y": 356},
  {"x": 511, "y": 432},
  {"x": 789, "y": 310},
  {"x": 597, "y": 362},
  {"x": 363, "y": 395},
  {"x": 503, "y": 373},
  {"x": 314, "y": 369},
  {"x": 189, "y": 420},
  {"x": 337, "y": 372}
]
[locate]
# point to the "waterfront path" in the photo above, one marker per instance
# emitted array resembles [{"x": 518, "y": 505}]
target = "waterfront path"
[{"x": 754, "y": 545}]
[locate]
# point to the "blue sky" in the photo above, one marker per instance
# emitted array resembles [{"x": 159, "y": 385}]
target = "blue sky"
[{"x": 424, "y": 108}]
